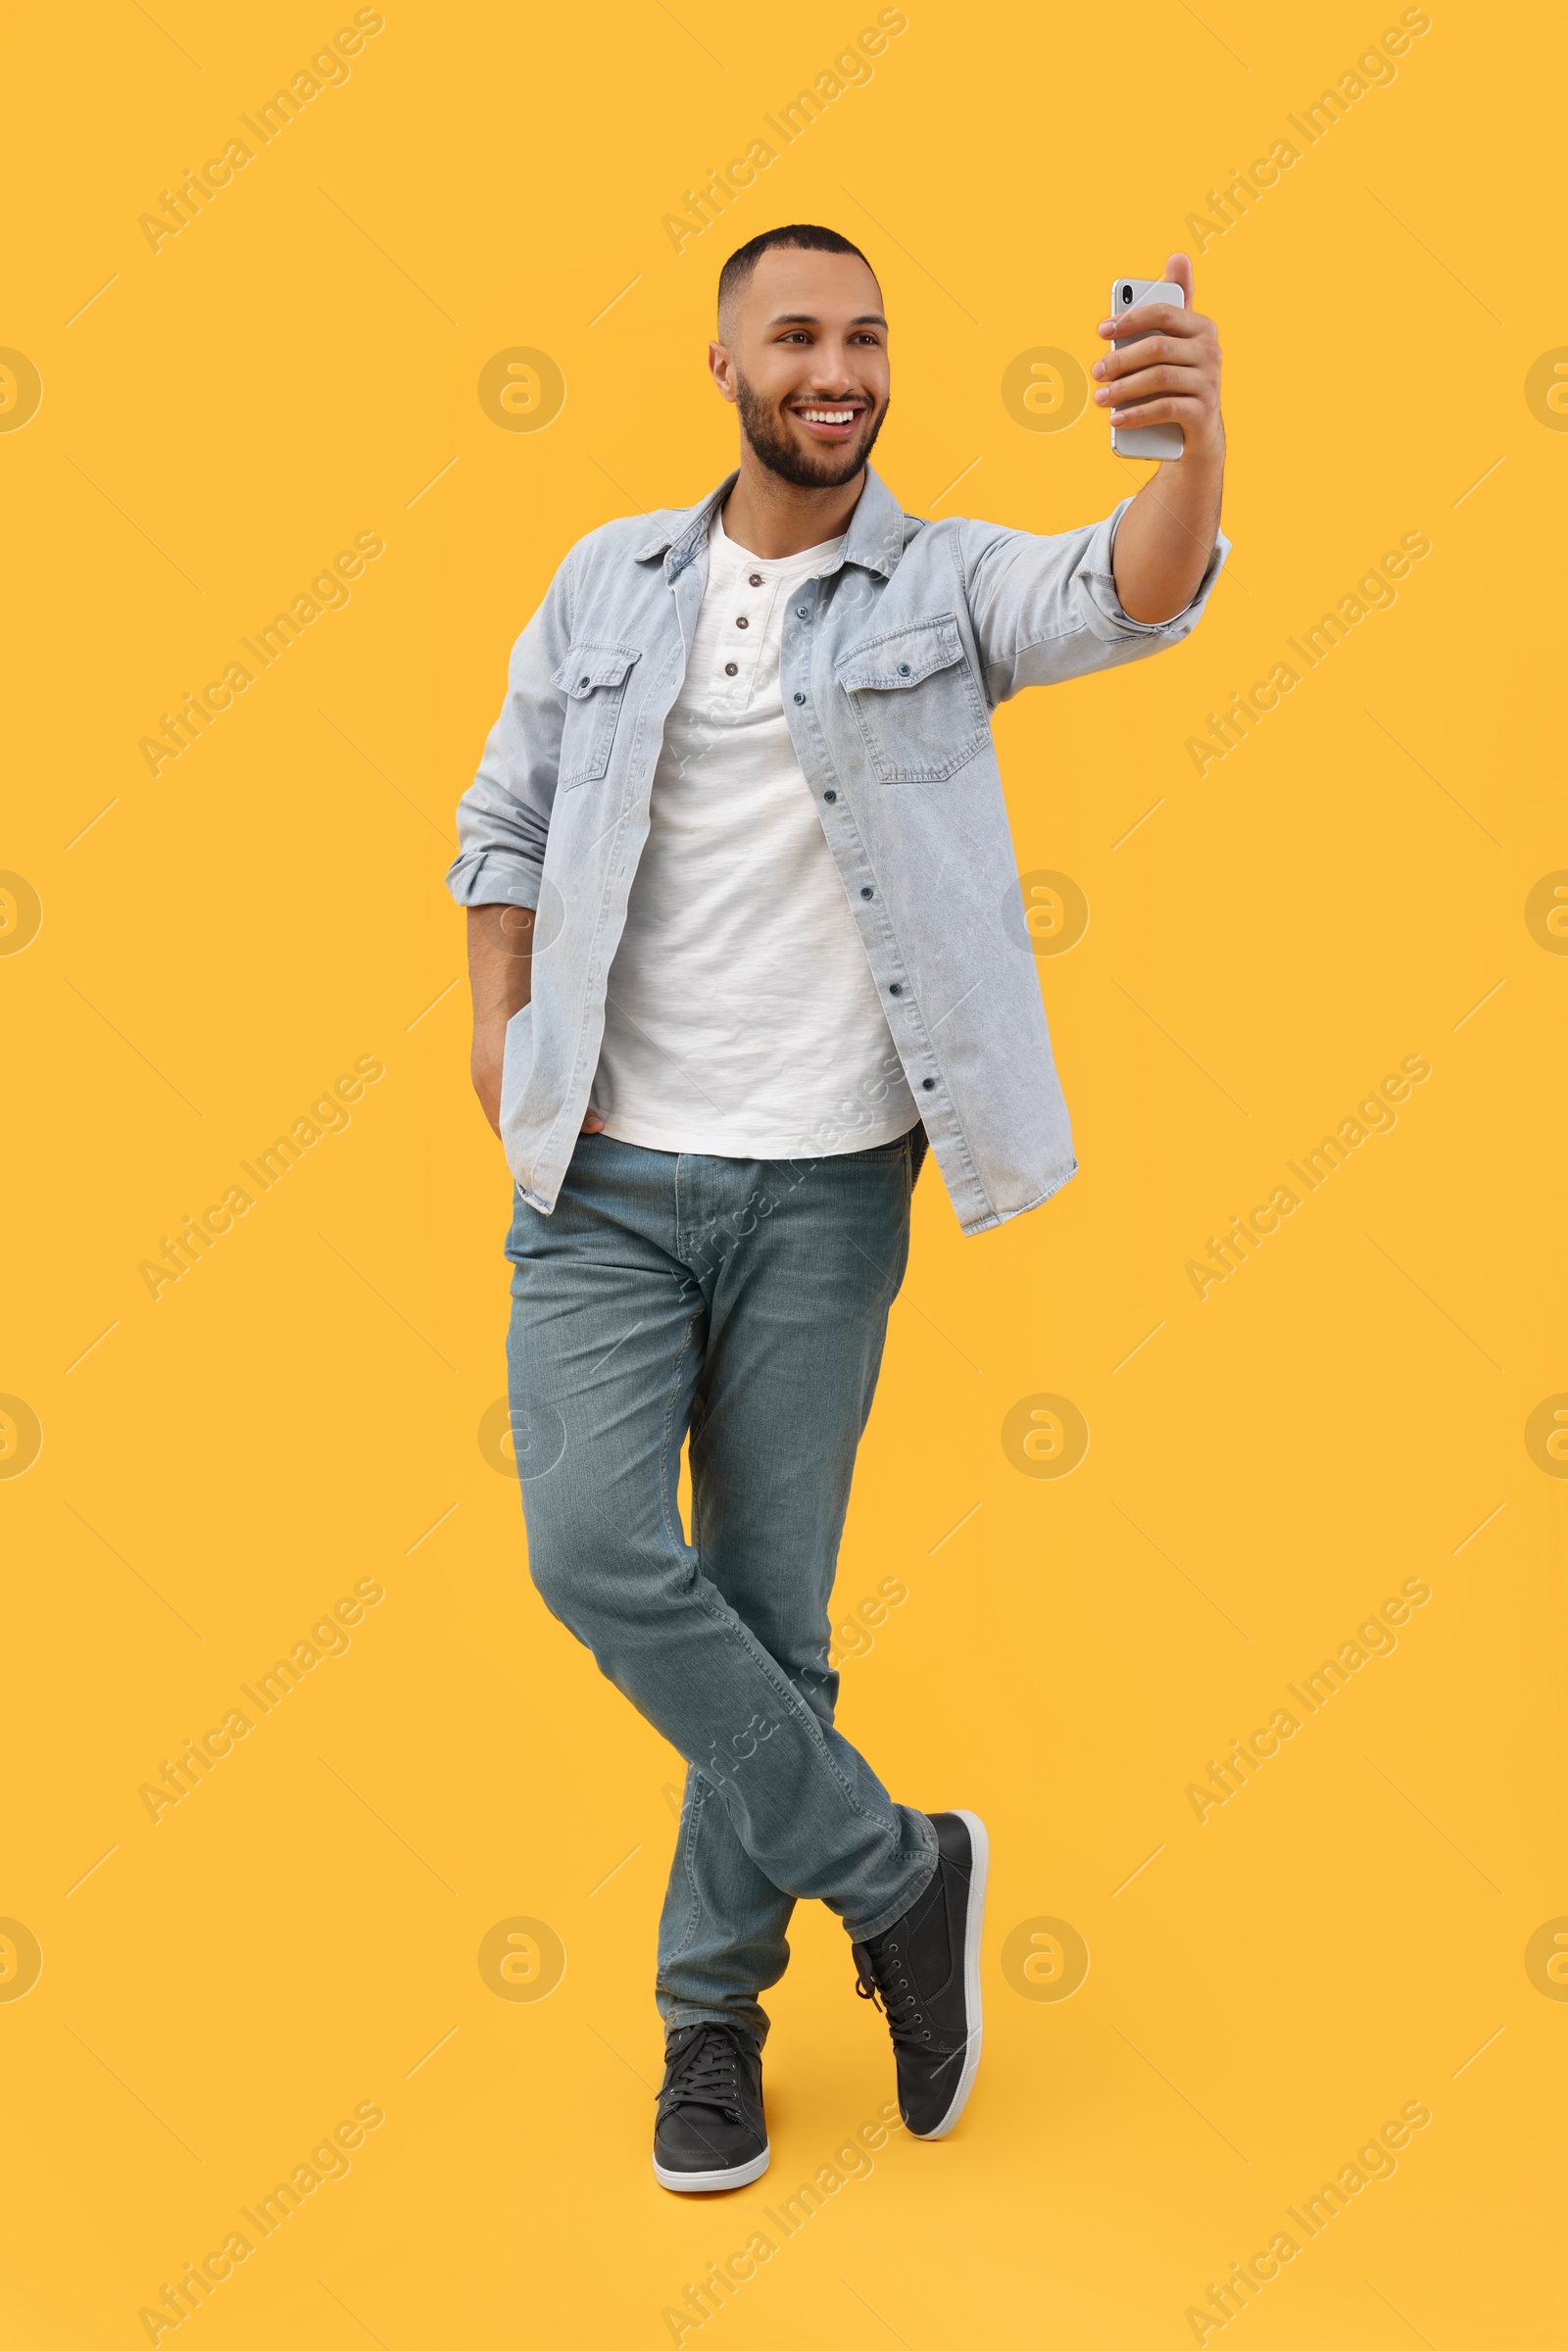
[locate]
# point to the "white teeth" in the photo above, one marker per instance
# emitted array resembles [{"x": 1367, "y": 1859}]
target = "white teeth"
[{"x": 823, "y": 415}]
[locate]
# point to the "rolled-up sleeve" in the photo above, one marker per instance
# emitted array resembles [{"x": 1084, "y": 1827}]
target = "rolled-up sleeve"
[
  {"x": 504, "y": 817},
  {"x": 1046, "y": 608}
]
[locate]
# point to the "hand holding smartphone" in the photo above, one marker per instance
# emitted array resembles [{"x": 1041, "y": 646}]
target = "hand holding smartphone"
[{"x": 1144, "y": 440}]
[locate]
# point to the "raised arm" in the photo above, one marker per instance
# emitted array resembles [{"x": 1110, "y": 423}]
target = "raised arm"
[
  {"x": 1052, "y": 606},
  {"x": 1172, "y": 371}
]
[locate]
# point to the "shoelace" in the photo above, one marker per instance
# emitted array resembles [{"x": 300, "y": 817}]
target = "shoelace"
[
  {"x": 706, "y": 2072},
  {"x": 883, "y": 1979}
]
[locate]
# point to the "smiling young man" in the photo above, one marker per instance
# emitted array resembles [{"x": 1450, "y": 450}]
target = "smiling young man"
[{"x": 737, "y": 863}]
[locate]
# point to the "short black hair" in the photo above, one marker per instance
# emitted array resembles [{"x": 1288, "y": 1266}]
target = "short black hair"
[{"x": 803, "y": 235}]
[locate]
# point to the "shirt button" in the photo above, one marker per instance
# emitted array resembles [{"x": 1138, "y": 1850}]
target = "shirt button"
[
  {"x": 743, "y": 622},
  {"x": 756, "y": 580},
  {"x": 582, "y": 681},
  {"x": 895, "y": 989},
  {"x": 904, "y": 669},
  {"x": 800, "y": 697},
  {"x": 867, "y": 893},
  {"x": 730, "y": 668},
  {"x": 802, "y": 612},
  {"x": 830, "y": 796},
  {"x": 927, "y": 1085}
]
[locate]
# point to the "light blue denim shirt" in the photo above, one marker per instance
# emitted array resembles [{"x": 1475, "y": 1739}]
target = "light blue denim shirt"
[{"x": 893, "y": 659}]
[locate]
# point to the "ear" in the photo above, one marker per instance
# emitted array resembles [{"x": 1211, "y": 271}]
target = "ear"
[
  {"x": 721, "y": 368},
  {"x": 1179, "y": 272}
]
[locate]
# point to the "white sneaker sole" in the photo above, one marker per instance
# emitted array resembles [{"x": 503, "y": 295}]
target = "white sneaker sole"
[
  {"x": 980, "y": 1851},
  {"x": 708, "y": 2183}
]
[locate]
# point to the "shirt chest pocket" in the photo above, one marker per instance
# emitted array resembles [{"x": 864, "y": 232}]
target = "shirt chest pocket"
[
  {"x": 916, "y": 702},
  {"x": 592, "y": 678}
]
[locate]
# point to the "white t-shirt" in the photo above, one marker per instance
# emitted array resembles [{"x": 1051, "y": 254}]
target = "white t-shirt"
[{"x": 742, "y": 1019}]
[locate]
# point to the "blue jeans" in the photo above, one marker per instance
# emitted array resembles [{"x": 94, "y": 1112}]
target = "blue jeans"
[{"x": 746, "y": 1301}]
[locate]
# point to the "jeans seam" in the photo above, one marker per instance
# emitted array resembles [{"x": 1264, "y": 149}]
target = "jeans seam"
[
  {"x": 688, "y": 1871},
  {"x": 729, "y": 1622},
  {"x": 666, "y": 1499},
  {"x": 795, "y": 1704},
  {"x": 880, "y": 1923}
]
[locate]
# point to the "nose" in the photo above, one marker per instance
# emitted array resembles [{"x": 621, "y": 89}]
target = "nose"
[{"x": 832, "y": 369}]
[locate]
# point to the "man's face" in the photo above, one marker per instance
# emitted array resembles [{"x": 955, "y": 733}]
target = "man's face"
[{"x": 806, "y": 365}]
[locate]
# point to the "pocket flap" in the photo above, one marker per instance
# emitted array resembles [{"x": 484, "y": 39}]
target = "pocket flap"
[
  {"x": 902, "y": 657},
  {"x": 587, "y": 666}
]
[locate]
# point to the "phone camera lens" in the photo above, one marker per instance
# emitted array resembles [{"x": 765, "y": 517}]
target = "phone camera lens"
[{"x": 1126, "y": 293}]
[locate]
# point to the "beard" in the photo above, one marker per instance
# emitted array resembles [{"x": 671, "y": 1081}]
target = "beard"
[{"x": 829, "y": 470}]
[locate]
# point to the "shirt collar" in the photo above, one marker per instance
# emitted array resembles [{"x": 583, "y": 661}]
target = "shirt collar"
[{"x": 874, "y": 539}]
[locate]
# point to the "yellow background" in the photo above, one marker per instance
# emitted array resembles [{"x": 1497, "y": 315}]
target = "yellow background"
[{"x": 300, "y": 1410}]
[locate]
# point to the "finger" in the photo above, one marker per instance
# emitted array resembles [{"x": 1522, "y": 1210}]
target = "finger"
[
  {"x": 1151, "y": 383},
  {"x": 1173, "y": 411},
  {"x": 592, "y": 1123},
  {"x": 1154, "y": 318},
  {"x": 1149, "y": 351},
  {"x": 1179, "y": 272}
]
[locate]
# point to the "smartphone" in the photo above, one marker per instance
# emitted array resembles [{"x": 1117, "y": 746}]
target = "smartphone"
[{"x": 1144, "y": 440}]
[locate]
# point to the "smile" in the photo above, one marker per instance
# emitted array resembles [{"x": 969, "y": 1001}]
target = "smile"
[{"x": 829, "y": 424}]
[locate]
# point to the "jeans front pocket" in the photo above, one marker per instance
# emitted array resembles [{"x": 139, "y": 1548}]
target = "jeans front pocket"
[
  {"x": 916, "y": 701},
  {"x": 592, "y": 678}
]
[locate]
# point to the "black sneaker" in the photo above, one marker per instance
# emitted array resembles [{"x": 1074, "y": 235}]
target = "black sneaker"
[
  {"x": 924, "y": 1972},
  {"x": 710, "y": 2132}
]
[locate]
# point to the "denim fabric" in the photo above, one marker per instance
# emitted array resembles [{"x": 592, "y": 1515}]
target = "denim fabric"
[
  {"x": 893, "y": 659},
  {"x": 747, "y": 1300}
]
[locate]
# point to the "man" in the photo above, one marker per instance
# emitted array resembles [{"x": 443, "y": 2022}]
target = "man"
[{"x": 741, "y": 894}]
